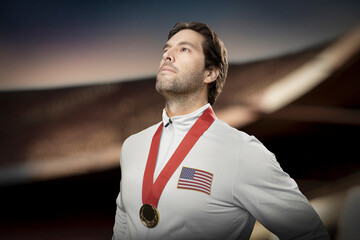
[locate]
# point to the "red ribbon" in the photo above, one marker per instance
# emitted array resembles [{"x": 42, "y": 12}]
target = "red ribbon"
[{"x": 152, "y": 190}]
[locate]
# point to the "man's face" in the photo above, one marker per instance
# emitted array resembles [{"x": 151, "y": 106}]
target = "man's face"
[{"x": 182, "y": 68}]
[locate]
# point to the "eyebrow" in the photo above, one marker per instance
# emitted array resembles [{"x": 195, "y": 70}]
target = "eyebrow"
[{"x": 181, "y": 44}]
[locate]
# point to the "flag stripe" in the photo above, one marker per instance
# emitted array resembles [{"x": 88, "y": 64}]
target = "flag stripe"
[
  {"x": 194, "y": 186},
  {"x": 195, "y": 179},
  {"x": 205, "y": 175},
  {"x": 189, "y": 182},
  {"x": 204, "y": 180}
]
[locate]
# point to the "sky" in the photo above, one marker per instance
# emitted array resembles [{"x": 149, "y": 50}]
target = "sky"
[{"x": 51, "y": 44}]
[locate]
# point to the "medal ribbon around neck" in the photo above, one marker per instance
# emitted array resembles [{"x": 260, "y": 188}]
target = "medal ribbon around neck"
[{"x": 151, "y": 191}]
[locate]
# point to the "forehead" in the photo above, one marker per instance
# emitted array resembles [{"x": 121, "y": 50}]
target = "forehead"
[{"x": 187, "y": 35}]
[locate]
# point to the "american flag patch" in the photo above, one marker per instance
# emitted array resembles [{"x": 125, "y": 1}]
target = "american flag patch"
[{"x": 195, "y": 179}]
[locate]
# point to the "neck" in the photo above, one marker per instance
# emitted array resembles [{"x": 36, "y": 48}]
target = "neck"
[{"x": 183, "y": 107}]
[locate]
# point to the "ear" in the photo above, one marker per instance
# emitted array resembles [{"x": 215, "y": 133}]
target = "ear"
[{"x": 211, "y": 75}]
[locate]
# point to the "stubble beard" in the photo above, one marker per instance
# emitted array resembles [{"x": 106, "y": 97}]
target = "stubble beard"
[{"x": 180, "y": 85}]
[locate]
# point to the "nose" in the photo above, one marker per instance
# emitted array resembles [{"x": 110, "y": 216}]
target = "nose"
[{"x": 168, "y": 56}]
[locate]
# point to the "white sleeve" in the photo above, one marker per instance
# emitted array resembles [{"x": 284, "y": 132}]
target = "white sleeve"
[
  {"x": 273, "y": 198},
  {"x": 120, "y": 226}
]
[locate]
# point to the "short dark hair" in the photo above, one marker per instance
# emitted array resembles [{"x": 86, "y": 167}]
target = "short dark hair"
[{"x": 214, "y": 51}]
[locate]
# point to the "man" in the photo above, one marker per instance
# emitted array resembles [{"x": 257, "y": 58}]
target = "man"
[{"x": 192, "y": 176}]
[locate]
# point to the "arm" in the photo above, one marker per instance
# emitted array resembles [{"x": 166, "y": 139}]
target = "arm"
[
  {"x": 120, "y": 226},
  {"x": 273, "y": 198}
]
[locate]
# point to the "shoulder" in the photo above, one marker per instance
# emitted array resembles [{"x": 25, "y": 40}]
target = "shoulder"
[
  {"x": 140, "y": 138},
  {"x": 248, "y": 146},
  {"x": 254, "y": 161},
  {"x": 136, "y": 147},
  {"x": 225, "y": 132}
]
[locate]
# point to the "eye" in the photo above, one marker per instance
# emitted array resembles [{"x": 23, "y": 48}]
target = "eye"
[{"x": 184, "y": 50}]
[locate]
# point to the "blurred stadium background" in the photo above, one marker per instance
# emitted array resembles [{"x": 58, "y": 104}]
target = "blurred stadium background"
[{"x": 77, "y": 78}]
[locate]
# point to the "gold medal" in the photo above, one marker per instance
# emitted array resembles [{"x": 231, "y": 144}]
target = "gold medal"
[{"x": 149, "y": 215}]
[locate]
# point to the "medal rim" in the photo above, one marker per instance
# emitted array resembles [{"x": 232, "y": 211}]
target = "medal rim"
[{"x": 146, "y": 222}]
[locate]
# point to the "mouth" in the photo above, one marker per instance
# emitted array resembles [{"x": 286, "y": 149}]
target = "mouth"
[{"x": 167, "y": 69}]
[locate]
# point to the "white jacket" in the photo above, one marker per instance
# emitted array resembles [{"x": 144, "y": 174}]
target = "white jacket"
[{"x": 248, "y": 184}]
